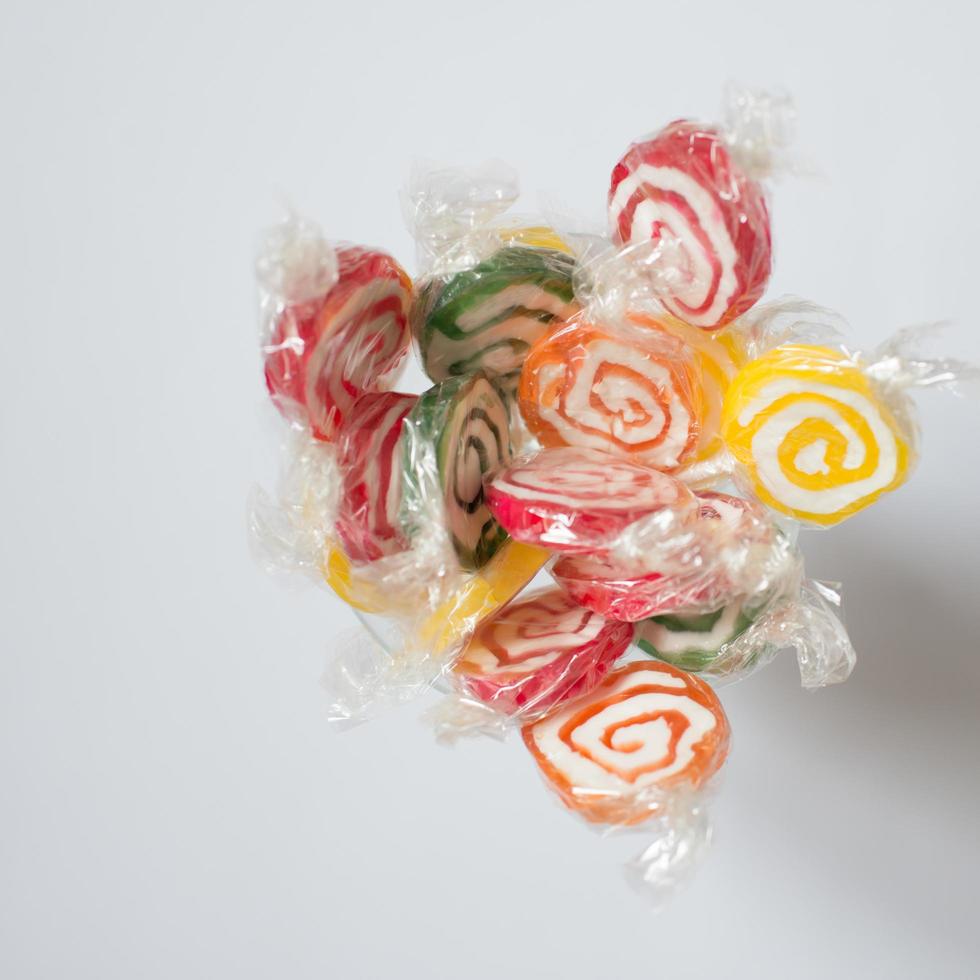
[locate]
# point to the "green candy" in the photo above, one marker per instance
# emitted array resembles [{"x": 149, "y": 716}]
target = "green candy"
[
  {"x": 487, "y": 317},
  {"x": 693, "y": 642},
  {"x": 456, "y": 434}
]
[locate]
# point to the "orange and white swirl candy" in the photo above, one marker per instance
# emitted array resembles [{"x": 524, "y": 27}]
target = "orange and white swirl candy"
[
  {"x": 646, "y": 730},
  {"x": 815, "y": 438},
  {"x": 627, "y": 393}
]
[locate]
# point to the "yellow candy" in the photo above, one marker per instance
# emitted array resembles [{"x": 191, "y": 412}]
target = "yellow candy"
[
  {"x": 813, "y": 434},
  {"x": 537, "y": 236},
  {"x": 483, "y": 592}
]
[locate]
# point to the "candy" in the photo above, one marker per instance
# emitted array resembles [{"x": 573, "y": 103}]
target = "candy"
[
  {"x": 815, "y": 438},
  {"x": 539, "y": 652},
  {"x": 682, "y": 187},
  {"x": 458, "y": 435},
  {"x": 576, "y": 500},
  {"x": 370, "y": 456},
  {"x": 694, "y": 641},
  {"x": 601, "y": 585},
  {"x": 646, "y": 730},
  {"x": 718, "y": 356},
  {"x": 626, "y": 393},
  {"x": 324, "y": 354},
  {"x": 488, "y": 316}
]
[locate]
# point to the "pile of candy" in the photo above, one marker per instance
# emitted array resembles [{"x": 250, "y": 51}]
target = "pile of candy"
[{"x": 617, "y": 411}]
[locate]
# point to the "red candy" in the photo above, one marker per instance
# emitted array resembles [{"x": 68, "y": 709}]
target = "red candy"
[
  {"x": 599, "y": 585},
  {"x": 370, "y": 460},
  {"x": 324, "y": 354},
  {"x": 538, "y": 653},
  {"x": 682, "y": 186},
  {"x": 574, "y": 500}
]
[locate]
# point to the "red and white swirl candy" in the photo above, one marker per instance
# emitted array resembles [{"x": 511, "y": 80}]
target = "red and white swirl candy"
[
  {"x": 615, "y": 754},
  {"x": 369, "y": 456},
  {"x": 575, "y": 500},
  {"x": 324, "y": 354},
  {"x": 682, "y": 187},
  {"x": 539, "y": 652}
]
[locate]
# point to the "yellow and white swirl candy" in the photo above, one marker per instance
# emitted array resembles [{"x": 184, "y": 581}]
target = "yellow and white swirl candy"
[{"x": 813, "y": 434}]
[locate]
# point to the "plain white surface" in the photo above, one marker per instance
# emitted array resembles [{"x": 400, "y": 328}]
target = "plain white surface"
[{"x": 173, "y": 803}]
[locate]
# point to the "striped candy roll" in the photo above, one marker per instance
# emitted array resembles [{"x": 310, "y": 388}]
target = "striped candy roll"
[
  {"x": 718, "y": 357},
  {"x": 458, "y": 430},
  {"x": 325, "y": 354},
  {"x": 693, "y": 641},
  {"x": 574, "y": 500},
  {"x": 626, "y": 395},
  {"x": 815, "y": 439},
  {"x": 648, "y": 729},
  {"x": 538, "y": 653},
  {"x": 370, "y": 455},
  {"x": 488, "y": 316},
  {"x": 682, "y": 186}
]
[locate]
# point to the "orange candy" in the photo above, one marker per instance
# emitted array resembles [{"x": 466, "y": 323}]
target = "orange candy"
[{"x": 630, "y": 392}]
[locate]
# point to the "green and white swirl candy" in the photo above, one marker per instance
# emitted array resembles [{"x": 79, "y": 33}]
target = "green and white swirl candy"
[
  {"x": 486, "y": 318},
  {"x": 696, "y": 641},
  {"x": 457, "y": 433}
]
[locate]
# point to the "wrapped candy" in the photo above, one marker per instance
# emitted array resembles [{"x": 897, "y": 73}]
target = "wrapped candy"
[
  {"x": 816, "y": 439},
  {"x": 538, "y": 653},
  {"x": 646, "y": 730},
  {"x": 336, "y": 324},
  {"x": 693, "y": 190},
  {"x": 624, "y": 392},
  {"x": 577, "y": 500},
  {"x": 486, "y": 317},
  {"x": 458, "y": 433}
]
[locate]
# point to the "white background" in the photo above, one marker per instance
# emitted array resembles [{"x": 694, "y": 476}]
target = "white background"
[{"x": 173, "y": 802}]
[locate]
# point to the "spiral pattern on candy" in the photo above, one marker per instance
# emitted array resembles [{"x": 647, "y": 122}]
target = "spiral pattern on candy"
[
  {"x": 323, "y": 355},
  {"x": 488, "y": 316},
  {"x": 629, "y": 396},
  {"x": 576, "y": 500},
  {"x": 538, "y": 652},
  {"x": 815, "y": 438},
  {"x": 683, "y": 186},
  {"x": 370, "y": 456},
  {"x": 458, "y": 432},
  {"x": 647, "y": 729}
]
